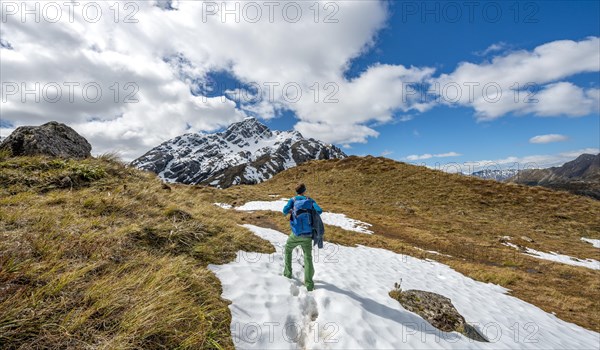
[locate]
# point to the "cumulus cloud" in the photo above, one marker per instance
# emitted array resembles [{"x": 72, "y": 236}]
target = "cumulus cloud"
[
  {"x": 549, "y": 138},
  {"x": 425, "y": 156},
  {"x": 525, "y": 81},
  {"x": 337, "y": 133}
]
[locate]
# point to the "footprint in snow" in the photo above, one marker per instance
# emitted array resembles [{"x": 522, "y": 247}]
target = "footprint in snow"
[
  {"x": 291, "y": 330},
  {"x": 294, "y": 290}
]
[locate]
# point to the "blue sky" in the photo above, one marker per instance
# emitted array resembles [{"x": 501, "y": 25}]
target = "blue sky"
[
  {"x": 410, "y": 40},
  {"x": 373, "y": 53}
]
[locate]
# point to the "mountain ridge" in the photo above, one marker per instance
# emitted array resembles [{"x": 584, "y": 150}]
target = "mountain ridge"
[{"x": 579, "y": 176}]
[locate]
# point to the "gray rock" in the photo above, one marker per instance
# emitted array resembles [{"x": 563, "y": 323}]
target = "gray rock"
[
  {"x": 437, "y": 310},
  {"x": 51, "y": 139}
]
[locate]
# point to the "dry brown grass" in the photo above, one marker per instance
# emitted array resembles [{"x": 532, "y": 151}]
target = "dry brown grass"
[
  {"x": 456, "y": 215},
  {"x": 110, "y": 261}
]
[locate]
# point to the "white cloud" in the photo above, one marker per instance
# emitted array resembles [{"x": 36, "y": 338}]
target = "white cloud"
[
  {"x": 344, "y": 133},
  {"x": 543, "y": 68},
  {"x": 564, "y": 99},
  {"x": 414, "y": 157},
  {"x": 500, "y": 46},
  {"x": 549, "y": 138},
  {"x": 386, "y": 153}
]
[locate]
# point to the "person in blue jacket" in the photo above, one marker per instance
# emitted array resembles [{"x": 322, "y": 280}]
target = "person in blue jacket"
[{"x": 304, "y": 241}]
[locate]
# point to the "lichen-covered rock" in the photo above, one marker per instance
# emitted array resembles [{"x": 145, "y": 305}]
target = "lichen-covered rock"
[
  {"x": 51, "y": 139},
  {"x": 437, "y": 310}
]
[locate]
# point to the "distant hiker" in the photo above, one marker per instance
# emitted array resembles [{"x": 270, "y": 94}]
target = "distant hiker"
[{"x": 306, "y": 225}]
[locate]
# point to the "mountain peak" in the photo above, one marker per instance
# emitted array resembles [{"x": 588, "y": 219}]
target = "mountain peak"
[
  {"x": 246, "y": 152},
  {"x": 247, "y": 131},
  {"x": 249, "y": 123}
]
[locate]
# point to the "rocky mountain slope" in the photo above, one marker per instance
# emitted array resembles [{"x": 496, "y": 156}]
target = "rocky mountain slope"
[
  {"x": 248, "y": 152},
  {"x": 580, "y": 176}
]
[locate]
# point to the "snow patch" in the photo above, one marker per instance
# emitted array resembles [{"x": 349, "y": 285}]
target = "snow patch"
[
  {"x": 432, "y": 252},
  {"x": 564, "y": 259},
  {"x": 264, "y": 205},
  {"x": 594, "y": 242},
  {"x": 350, "y": 307},
  {"x": 341, "y": 220},
  {"x": 224, "y": 205}
]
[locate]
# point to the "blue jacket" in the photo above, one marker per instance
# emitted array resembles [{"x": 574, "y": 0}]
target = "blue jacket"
[{"x": 318, "y": 228}]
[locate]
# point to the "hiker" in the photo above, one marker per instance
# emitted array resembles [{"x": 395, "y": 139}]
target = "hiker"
[{"x": 304, "y": 219}]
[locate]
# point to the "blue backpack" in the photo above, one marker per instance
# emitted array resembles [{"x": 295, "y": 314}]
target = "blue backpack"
[{"x": 301, "y": 217}]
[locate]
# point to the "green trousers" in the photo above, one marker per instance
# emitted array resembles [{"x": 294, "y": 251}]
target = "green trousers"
[{"x": 309, "y": 270}]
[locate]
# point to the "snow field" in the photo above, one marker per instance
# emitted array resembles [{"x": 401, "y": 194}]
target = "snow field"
[{"x": 350, "y": 307}]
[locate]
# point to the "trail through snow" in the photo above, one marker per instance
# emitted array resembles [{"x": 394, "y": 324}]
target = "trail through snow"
[{"x": 350, "y": 307}]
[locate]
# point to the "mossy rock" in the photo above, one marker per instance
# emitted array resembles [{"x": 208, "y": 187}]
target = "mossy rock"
[{"x": 437, "y": 310}]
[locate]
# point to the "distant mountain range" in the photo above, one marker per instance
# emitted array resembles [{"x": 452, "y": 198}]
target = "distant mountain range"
[
  {"x": 493, "y": 174},
  {"x": 248, "y": 152},
  {"x": 580, "y": 176}
]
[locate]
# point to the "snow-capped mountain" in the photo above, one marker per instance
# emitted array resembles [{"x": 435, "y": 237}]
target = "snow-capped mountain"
[
  {"x": 247, "y": 152},
  {"x": 495, "y": 174}
]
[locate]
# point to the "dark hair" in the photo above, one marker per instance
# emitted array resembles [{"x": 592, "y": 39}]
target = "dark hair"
[{"x": 301, "y": 188}]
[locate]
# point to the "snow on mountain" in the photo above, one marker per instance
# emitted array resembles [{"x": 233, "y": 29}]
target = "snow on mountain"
[
  {"x": 350, "y": 307},
  {"x": 495, "y": 174},
  {"x": 247, "y": 152}
]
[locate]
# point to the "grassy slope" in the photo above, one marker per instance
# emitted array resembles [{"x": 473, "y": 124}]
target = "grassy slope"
[
  {"x": 110, "y": 259},
  {"x": 456, "y": 215}
]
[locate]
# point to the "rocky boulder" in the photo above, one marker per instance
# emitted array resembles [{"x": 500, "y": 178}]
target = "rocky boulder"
[
  {"x": 51, "y": 139},
  {"x": 437, "y": 310}
]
